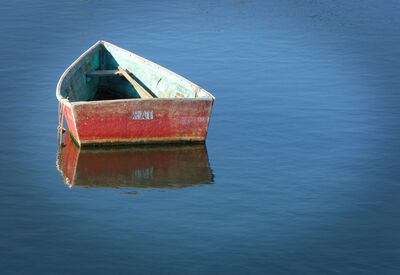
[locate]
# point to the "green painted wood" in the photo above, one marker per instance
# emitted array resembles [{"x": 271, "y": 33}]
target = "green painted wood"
[
  {"x": 81, "y": 84},
  {"x": 160, "y": 81}
]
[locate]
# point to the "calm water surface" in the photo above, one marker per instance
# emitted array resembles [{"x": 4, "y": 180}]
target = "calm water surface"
[{"x": 300, "y": 174}]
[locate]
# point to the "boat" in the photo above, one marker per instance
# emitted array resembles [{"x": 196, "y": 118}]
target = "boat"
[
  {"x": 112, "y": 96},
  {"x": 143, "y": 166}
]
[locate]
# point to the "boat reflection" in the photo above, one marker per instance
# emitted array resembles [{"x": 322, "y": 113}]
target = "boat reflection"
[{"x": 139, "y": 167}]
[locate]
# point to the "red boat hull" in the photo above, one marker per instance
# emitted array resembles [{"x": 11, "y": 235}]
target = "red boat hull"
[{"x": 129, "y": 121}]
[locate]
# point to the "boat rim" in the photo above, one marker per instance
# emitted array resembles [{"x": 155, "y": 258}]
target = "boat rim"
[{"x": 60, "y": 81}]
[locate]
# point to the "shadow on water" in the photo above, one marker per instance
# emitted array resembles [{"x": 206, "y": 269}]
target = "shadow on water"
[{"x": 165, "y": 167}]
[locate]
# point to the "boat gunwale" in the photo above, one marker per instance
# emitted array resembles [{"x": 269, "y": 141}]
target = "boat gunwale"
[
  {"x": 60, "y": 81},
  {"x": 110, "y": 101}
]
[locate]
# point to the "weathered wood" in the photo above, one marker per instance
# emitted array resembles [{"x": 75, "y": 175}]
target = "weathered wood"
[
  {"x": 131, "y": 120},
  {"x": 143, "y": 93},
  {"x": 101, "y": 73}
]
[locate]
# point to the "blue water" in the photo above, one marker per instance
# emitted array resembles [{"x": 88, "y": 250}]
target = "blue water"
[{"x": 303, "y": 144}]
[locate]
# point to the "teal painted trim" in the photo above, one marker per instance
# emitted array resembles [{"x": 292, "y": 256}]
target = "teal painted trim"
[{"x": 157, "y": 80}]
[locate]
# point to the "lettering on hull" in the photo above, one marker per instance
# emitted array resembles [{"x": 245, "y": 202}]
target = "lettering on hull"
[{"x": 143, "y": 115}]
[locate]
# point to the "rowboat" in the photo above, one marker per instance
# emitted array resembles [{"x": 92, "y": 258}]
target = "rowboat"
[
  {"x": 157, "y": 166},
  {"x": 112, "y": 96}
]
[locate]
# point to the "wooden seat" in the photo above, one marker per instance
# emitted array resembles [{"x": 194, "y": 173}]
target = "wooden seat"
[{"x": 101, "y": 73}]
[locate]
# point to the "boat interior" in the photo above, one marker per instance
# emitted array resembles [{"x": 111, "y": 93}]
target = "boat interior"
[{"x": 107, "y": 72}]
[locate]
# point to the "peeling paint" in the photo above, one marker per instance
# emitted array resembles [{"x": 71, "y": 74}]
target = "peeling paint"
[{"x": 181, "y": 113}]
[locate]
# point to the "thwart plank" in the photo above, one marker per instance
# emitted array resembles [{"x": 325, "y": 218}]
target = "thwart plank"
[{"x": 102, "y": 73}]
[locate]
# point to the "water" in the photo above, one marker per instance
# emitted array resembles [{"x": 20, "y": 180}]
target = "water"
[{"x": 303, "y": 146}]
